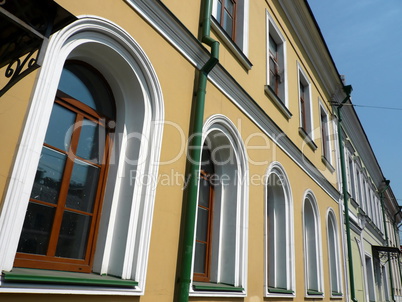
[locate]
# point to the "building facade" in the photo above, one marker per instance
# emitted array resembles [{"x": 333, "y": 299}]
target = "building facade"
[
  {"x": 374, "y": 215},
  {"x": 181, "y": 150}
]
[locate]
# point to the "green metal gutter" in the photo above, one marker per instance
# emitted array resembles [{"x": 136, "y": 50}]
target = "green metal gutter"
[
  {"x": 386, "y": 237},
  {"x": 348, "y": 90},
  {"x": 194, "y": 147}
]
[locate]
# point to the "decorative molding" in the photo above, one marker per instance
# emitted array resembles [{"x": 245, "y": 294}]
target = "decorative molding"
[{"x": 156, "y": 14}]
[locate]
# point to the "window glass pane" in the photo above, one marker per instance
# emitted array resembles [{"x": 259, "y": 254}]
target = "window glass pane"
[
  {"x": 273, "y": 47},
  {"x": 60, "y": 127},
  {"x": 83, "y": 84},
  {"x": 200, "y": 254},
  {"x": 229, "y": 6},
  {"x": 228, "y": 23},
  {"x": 73, "y": 235},
  {"x": 36, "y": 230},
  {"x": 204, "y": 194},
  {"x": 83, "y": 187},
  {"x": 218, "y": 16},
  {"x": 92, "y": 141},
  {"x": 48, "y": 176},
  {"x": 202, "y": 224}
]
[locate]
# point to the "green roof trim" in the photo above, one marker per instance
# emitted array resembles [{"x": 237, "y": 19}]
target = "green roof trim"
[
  {"x": 62, "y": 277},
  {"x": 207, "y": 286}
]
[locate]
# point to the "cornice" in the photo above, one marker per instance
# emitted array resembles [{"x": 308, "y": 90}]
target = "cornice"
[
  {"x": 162, "y": 20},
  {"x": 309, "y": 35}
]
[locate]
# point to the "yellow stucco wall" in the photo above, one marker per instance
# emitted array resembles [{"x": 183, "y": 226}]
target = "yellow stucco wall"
[{"x": 177, "y": 76}]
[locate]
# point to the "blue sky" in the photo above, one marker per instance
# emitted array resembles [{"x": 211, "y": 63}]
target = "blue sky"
[{"x": 365, "y": 40}]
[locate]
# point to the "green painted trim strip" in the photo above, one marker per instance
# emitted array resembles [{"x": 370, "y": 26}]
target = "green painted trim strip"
[
  {"x": 276, "y": 290},
  {"x": 46, "y": 276},
  {"x": 336, "y": 294},
  {"x": 216, "y": 287},
  {"x": 313, "y": 292}
]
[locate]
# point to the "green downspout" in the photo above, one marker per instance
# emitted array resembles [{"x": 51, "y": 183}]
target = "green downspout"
[
  {"x": 348, "y": 90},
  {"x": 194, "y": 150},
  {"x": 386, "y": 237},
  {"x": 397, "y": 236}
]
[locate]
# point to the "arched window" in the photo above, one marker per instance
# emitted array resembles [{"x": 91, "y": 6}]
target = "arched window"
[
  {"x": 220, "y": 235},
  {"x": 333, "y": 248},
  {"x": 60, "y": 225},
  {"x": 312, "y": 248},
  {"x": 93, "y": 133},
  {"x": 279, "y": 230}
]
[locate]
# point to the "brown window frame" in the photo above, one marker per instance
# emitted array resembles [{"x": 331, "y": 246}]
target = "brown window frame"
[
  {"x": 50, "y": 261},
  {"x": 205, "y": 277},
  {"x": 303, "y": 115},
  {"x": 234, "y": 16},
  {"x": 324, "y": 134},
  {"x": 274, "y": 67}
]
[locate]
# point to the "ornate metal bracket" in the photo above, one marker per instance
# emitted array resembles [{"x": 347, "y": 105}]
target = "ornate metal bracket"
[
  {"x": 25, "y": 28},
  {"x": 385, "y": 254}
]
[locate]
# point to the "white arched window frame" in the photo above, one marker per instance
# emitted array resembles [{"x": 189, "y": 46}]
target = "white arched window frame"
[
  {"x": 279, "y": 234},
  {"x": 333, "y": 255},
  {"x": 124, "y": 231},
  {"x": 312, "y": 247},
  {"x": 230, "y": 211}
]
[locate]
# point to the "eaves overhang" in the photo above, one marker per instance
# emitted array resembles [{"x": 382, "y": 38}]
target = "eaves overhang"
[{"x": 26, "y": 26}]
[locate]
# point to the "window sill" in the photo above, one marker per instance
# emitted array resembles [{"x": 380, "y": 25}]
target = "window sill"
[
  {"x": 280, "y": 291},
  {"x": 336, "y": 295},
  {"x": 231, "y": 44},
  {"x": 327, "y": 164},
  {"x": 307, "y": 139},
  {"x": 25, "y": 275},
  {"x": 315, "y": 293},
  {"x": 278, "y": 102},
  {"x": 219, "y": 287}
]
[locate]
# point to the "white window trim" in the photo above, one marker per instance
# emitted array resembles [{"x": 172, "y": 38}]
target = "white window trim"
[
  {"x": 309, "y": 195},
  {"x": 366, "y": 281},
  {"x": 77, "y": 41},
  {"x": 221, "y": 124},
  {"x": 277, "y": 168},
  {"x": 331, "y": 215},
  {"x": 271, "y": 26}
]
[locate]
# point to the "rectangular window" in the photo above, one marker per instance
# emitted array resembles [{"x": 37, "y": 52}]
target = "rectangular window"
[
  {"x": 352, "y": 190},
  {"x": 276, "y": 66},
  {"x": 325, "y": 135},
  {"x": 305, "y": 104},
  {"x": 370, "y": 280},
  {"x": 230, "y": 24}
]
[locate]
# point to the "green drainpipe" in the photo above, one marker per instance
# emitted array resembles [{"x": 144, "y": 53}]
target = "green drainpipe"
[
  {"x": 386, "y": 238},
  {"x": 195, "y": 155},
  {"x": 397, "y": 234},
  {"x": 348, "y": 90}
]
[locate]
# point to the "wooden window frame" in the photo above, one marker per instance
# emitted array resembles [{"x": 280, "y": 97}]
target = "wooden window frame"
[
  {"x": 274, "y": 58},
  {"x": 205, "y": 277},
  {"x": 324, "y": 134},
  {"x": 303, "y": 114},
  {"x": 234, "y": 16},
  {"x": 50, "y": 261}
]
